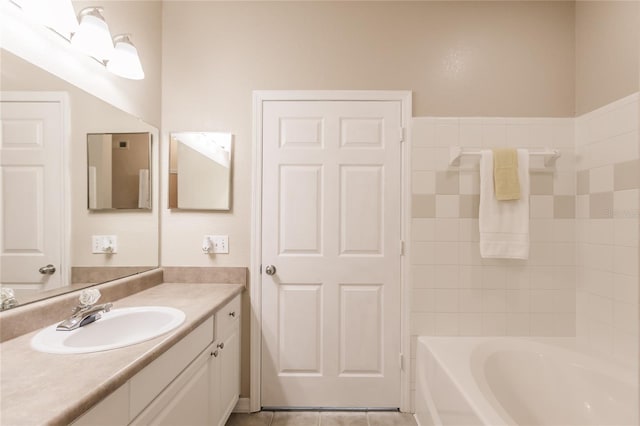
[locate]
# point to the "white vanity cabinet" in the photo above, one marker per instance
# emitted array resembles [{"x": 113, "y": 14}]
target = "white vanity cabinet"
[
  {"x": 185, "y": 401},
  {"x": 195, "y": 382},
  {"x": 225, "y": 365}
]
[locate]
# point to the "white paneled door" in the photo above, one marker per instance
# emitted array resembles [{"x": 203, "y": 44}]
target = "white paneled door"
[
  {"x": 331, "y": 252},
  {"x": 31, "y": 207}
]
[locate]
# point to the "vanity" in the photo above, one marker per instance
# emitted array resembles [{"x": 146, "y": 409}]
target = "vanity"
[
  {"x": 101, "y": 224},
  {"x": 190, "y": 375}
]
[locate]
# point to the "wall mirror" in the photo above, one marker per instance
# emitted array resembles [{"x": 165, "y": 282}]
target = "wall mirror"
[
  {"x": 137, "y": 230},
  {"x": 200, "y": 171},
  {"x": 118, "y": 172}
]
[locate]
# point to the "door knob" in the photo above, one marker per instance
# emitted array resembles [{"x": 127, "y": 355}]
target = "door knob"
[
  {"x": 270, "y": 269},
  {"x": 47, "y": 270}
]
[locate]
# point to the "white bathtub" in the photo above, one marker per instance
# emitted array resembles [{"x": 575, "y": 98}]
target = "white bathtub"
[{"x": 514, "y": 381}]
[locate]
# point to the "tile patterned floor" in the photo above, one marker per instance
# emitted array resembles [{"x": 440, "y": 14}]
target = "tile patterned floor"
[{"x": 322, "y": 418}]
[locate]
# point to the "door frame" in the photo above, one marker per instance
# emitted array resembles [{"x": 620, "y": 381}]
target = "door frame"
[
  {"x": 261, "y": 96},
  {"x": 61, "y": 98}
]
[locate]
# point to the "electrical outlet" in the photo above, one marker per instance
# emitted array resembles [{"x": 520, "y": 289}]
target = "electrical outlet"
[
  {"x": 104, "y": 244},
  {"x": 207, "y": 245},
  {"x": 220, "y": 244}
]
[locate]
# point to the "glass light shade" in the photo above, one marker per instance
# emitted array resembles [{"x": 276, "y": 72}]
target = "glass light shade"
[
  {"x": 125, "y": 61},
  {"x": 93, "y": 37},
  {"x": 55, "y": 14}
]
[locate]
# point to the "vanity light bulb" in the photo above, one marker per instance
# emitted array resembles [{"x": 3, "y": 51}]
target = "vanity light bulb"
[
  {"x": 125, "y": 61},
  {"x": 93, "y": 37}
]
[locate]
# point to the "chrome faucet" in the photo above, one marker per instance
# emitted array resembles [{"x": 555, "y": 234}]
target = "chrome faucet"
[{"x": 86, "y": 312}]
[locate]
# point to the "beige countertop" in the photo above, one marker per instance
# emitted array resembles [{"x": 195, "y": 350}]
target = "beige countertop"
[{"x": 41, "y": 388}]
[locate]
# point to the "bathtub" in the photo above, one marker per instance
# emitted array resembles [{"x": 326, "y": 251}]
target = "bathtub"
[{"x": 517, "y": 381}]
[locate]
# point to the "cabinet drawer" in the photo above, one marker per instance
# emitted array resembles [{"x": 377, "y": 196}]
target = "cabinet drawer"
[
  {"x": 149, "y": 382},
  {"x": 227, "y": 317}
]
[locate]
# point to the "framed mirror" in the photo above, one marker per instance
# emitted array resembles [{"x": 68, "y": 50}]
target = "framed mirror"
[
  {"x": 118, "y": 172},
  {"x": 200, "y": 171}
]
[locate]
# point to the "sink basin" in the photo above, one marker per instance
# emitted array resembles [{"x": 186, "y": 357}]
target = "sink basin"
[{"x": 116, "y": 329}]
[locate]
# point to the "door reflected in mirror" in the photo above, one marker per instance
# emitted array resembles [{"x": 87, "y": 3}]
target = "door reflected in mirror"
[
  {"x": 200, "y": 171},
  {"x": 119, "y": 175}
]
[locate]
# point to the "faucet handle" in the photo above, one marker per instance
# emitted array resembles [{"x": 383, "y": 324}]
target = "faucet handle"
[
  {"x": 7, "y": 298},
  {"x": 89, "y": 296}
]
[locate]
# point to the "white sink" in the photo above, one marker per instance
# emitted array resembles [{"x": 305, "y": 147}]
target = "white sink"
[{"x": 116, "y": 329}]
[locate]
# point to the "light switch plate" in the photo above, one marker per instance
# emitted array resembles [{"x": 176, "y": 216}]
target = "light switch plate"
[
  {"x": 220, "y": 244},
  {"x": 107, "y": 244}
]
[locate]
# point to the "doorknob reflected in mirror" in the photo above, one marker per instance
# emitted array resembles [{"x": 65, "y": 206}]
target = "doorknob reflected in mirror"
[
  {"x": 47, "y": 270},
  {"x": 270, "y": 269}
]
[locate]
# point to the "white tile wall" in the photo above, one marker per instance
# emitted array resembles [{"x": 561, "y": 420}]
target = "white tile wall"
[
  {"x": 582, "y": 275},
  {"x": 472, "y": 296},
  {"x": 607, "y": 296}
]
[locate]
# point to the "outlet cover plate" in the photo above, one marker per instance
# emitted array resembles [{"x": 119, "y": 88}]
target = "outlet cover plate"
[
  {"x": 220, "y": 244},
  {"x": 106, "y": 244}
]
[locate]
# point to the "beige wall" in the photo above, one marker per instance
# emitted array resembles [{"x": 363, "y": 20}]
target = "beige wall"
[
  {"x": 458, "y": 58},
  {"x": 607, "y": 39}
]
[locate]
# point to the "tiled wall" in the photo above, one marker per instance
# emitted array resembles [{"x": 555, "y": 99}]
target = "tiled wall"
[
  {"x": 456, "y": 292},
  {"x": 607, "y": 210},
  {"x": 582, "y": 277}
]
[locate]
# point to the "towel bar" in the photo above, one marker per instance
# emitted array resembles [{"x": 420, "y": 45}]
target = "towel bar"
[{"x": 456, "y": 152}]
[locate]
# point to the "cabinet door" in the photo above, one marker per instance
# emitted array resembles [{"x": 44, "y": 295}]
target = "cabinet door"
[
  {"x": 229, "y": 374},
  {"x": 215, "y": 369},
  {"x": 186, "y": 400},
  {"x": 113, "y": 410},
  {"x": 157, "y": 376},
  {"x": 225, "y": 363}
]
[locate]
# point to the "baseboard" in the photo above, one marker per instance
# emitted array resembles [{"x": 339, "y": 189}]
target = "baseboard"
[{"x": 242, "y": 406}]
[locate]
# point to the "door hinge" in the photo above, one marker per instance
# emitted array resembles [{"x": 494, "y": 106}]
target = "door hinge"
[
  {"x": 401, "y": 361},
  {"x": 401, "y": 134},
  {"x": 401, "y": 247}
]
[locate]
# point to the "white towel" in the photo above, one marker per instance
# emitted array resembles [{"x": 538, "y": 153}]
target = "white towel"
[
  {"x": 504, "y": 225},
  {"x": 93, "y": 188},
  {"x": 144, "y": 200}
]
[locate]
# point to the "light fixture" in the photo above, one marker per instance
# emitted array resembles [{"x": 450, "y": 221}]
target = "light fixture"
[
  {"x": 93, "y": 37},
  {"x": 125, "y": 61},
  {"x": 55, "y": 14},
  {"x": 90, "y": 36}
]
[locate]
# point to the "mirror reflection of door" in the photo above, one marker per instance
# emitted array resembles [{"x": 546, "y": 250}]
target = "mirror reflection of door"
[
  {"x": 32, "y": 145},
  {"x": 119, "y": 171},
  {"x": 200, "y": 171}
]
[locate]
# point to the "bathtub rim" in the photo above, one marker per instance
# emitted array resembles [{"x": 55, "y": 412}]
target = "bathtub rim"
[{"x": 462, "y": 355}]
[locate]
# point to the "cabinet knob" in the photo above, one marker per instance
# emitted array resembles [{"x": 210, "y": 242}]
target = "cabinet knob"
[
  {"x": 221, "y": 345},
  {"x": 215, "y": 353},
  {"x": 232, "y": 314}
]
